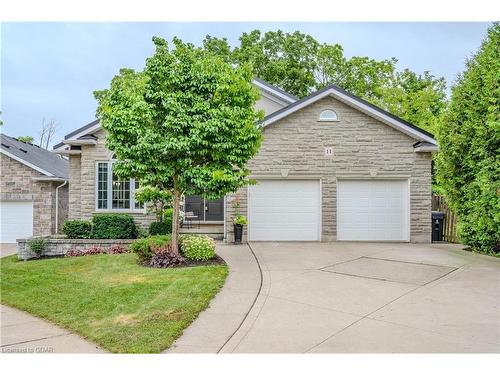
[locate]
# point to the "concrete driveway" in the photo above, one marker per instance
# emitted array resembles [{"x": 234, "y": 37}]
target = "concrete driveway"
[
  {"x": 7, "y": 249},
  {"x": 383, "y": 297}
]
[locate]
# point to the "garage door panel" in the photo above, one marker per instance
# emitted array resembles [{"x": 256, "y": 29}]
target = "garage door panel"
[
  {"x": 16, "y": 220},
  {"x": 372, "y": 210},
  {"x": 284, "y": 210}
]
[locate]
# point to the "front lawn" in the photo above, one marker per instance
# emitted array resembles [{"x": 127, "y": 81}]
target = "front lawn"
[{"x": 110, "y": 299}]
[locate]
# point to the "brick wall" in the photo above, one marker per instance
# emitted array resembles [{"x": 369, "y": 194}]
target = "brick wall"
[{"x": 16, "y": 184}]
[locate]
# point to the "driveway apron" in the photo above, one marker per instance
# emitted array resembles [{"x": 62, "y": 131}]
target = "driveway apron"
[{"x": 371, "y": 297}]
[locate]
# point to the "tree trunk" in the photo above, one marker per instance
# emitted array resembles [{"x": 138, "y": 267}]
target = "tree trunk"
[{"x": 175, "y": 221}]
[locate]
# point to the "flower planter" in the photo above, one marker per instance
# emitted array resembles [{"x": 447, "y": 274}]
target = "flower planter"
[
  {"x": 238, "y": 233},
  {"x": 60, "y": 246}
]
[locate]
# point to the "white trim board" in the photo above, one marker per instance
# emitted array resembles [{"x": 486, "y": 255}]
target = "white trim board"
[{"x": 274, "y": 92}]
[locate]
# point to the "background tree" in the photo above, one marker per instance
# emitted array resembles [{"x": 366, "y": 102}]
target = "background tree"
[
  {"x": 185, "y": 124},
  {"x": 26, "y": 138},
  {"x": 417, "y": 98},
  {"x": 299, "y": 64},
  {"x": 469, "y": 140},
  {"x": 283, "y": 59},
  {"x": 47, "y": 132}
]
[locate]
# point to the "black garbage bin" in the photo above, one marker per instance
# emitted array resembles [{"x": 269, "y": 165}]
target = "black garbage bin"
[{"x": 437, "y": 226}]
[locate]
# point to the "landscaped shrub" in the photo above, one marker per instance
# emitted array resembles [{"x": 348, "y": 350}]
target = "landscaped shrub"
[
  {"x": 159, "y": 227},
  {"x": 163, "y": 257},
  {"x": 113, "y": 226},
  {"x": 74, "y": 253},
  {"x": 142, "y": 249},
  {"x": 468, "y": 165},
  {"x": 37, "y": 245},
  {"x": 94, "y": 250},
  {"x": 145, "y": 247},
  {"x": 198, "y": 247},
  {"x": 118, "y": 249},
  {"x": 142, "y": 232},
  {"x": 163, "y": 227},
  {"x": 77, "y": 228}
]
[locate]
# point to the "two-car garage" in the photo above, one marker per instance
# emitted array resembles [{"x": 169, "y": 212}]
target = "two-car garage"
[{"x": 291, "y": 210}]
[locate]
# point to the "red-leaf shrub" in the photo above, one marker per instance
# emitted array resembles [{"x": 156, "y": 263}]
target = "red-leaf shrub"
[
  {"x": 74, "y": 253},
  {"x": 94, "y": 250},
  {"x": 118, "y": 249},
  {"x": 163, "y": 257}
]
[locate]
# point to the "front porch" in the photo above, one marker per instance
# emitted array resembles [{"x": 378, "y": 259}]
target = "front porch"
[
  {"x": 215, "y": 231},
  {"x": 203, "y": 216}
]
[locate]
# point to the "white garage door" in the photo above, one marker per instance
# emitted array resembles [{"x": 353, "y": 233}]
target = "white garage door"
[
  {"x": 284, "y": 210},
  {"x": 16, "y": 219},
  {"x": 372, "y": 210}
]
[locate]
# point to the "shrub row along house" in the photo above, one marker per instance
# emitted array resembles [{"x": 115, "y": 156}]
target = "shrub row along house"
[{"x": 331, "y": 167}]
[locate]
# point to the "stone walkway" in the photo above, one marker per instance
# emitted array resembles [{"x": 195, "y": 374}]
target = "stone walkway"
[{"x": 216, "y": 325}]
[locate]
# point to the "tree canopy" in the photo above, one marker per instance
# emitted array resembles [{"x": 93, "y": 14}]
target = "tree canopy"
[
  {"x": 299, "y": 64},
  {"x": 469, "y": 140},
  {"x": 186, "y": 124},
  {"x": 26, "y": 138}
]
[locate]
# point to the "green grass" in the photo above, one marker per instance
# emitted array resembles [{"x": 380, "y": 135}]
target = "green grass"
[{"x": 110, "y": 299}]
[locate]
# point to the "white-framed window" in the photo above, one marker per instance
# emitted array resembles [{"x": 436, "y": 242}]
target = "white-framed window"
[
  {"x": 328, "y": 115},
  {"x": 113, "y": 194}
]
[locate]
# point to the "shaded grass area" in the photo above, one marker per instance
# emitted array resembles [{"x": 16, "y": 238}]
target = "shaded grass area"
[{"x": 110, "y": 299}]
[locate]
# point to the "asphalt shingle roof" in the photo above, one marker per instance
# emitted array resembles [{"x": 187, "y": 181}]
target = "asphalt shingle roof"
[{"x": 41, "y": 158}]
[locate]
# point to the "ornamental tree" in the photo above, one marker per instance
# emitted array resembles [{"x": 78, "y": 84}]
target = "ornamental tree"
[
  {"x": 469, "y": 141},
  {"x": 186, "y": 124},
  {"x": 157, "y": 201}
]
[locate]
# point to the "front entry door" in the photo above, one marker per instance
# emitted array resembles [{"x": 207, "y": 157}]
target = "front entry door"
[
  {"x": 214, "y": 210},
  {"x": 204, "y": 209}
]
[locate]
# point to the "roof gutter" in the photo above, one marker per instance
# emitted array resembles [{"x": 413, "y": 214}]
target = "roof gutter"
[{"x": 55, "y": 179}]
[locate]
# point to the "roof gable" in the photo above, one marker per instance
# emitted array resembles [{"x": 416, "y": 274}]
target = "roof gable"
[
  {"x": 80, "y": 135},
  {"x": 355, "y": 102},
  {"x": 37, "y": 158}
]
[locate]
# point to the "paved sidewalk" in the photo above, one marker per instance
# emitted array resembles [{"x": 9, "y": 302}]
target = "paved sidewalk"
[
  {"x": 216, "y": 325},
  {"x": 24, "y": 333}
]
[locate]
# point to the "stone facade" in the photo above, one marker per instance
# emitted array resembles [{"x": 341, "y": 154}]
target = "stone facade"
[
  {"x": 82, "y": 174},
  {"x": 363, "y": 148},
  {"x": 17, "y": 184},
  {"x": 294, "y": 146}
]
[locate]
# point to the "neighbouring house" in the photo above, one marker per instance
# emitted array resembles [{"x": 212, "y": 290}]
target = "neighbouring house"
[
  {"x": 331, "y": 167},
  {"x": 33, "y": 190}
]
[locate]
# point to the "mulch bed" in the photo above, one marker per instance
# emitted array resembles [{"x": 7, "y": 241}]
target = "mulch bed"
[{"x": 212, "y": 262}]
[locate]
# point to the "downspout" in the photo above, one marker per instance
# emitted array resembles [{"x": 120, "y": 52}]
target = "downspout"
[{"x": 57, "y": 204}]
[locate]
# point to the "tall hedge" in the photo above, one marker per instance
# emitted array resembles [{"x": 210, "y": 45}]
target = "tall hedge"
[{"x": 468, "y": 163}]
